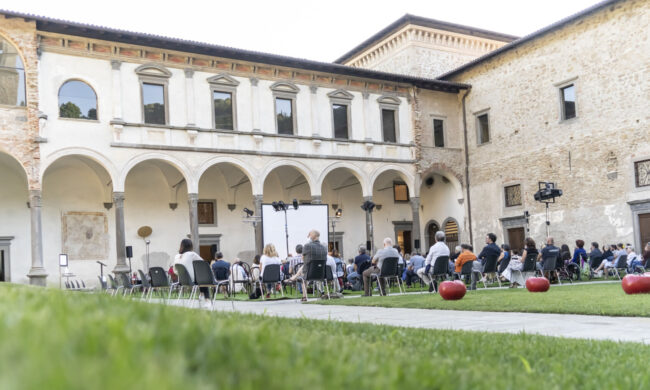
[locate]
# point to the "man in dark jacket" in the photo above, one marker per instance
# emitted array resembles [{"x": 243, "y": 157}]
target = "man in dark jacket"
[{"x": 491, "y": 249}]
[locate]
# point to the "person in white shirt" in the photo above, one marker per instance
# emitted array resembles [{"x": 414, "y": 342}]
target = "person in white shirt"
[
  {"x": 269, "y": 256},
  {"x": 331, "y": 262},
  {"x": 436, "y": 250},
  {"x": 186, "y": 256}
]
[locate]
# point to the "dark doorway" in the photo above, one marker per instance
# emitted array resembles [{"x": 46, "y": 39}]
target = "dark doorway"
[
  {"x": 644, "y": 228},
  {"x": 404, "y": 240},
  {"x": 432, "y": 228},
  {"x": 2, "y": 266},
  {"x": 516, "y": 238}
]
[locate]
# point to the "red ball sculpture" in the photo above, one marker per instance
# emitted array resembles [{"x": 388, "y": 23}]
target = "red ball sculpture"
[
  {"x": 636, "y": 284},
  {"x": 452, "y": 291},
  {"x": 538, "y": 284}
]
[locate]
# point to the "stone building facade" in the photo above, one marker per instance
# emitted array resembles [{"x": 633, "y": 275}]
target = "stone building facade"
[{"x": 460, "y": 148}]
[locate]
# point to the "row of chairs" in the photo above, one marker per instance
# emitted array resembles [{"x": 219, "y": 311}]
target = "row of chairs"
[{"x": 75, "y": 285}]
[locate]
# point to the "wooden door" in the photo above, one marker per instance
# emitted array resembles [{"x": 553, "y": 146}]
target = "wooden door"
[
  {"x": 644, "y": 230},
  {"x": 516, "y": 238},
  {"x": 204, "y": 252},
  {"x": 407, "y": 248}
]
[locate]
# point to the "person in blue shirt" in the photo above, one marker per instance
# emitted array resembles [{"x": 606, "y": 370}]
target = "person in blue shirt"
[
  {"x": 360, "y": 259},
  {"x": 220, "y": 267},
  {"x": 417, "y": 262},
  {"x": 491, "y": 249},
  {"x": 579, "y": 253}
]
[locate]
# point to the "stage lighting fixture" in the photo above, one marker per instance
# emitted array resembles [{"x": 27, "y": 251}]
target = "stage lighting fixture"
[
  {"x": 282, "y": 205},
  {"x": 295, "y": 204},
  {"x": 249, "y": 212},
  {"x": 338, "y": 214},
  {"x": 276, "y": 206},
  {"x": 368, "y": 206}
]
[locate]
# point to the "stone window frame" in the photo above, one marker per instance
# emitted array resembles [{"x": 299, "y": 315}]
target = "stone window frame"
[
  {"x": 227, "y": 84},
  {"x": 23, "y": 69},
  {"x": 408, "y": 192},
  {"x": 341, "y": 97},
  {"x": 477, "y": 124},
  {"x": 443, "y": 118},
  {"x": 388, "y": 102},
  {"x": 214, "y": 208},
  {"x": 503, "y": 193},
  {"x": 561, "y": 85},
  {"x": 154, "y": 74},
  {"x": 633, "y": 164},
  {"x": 77, "y": 119},
  {"x": 289, "y": 91}
]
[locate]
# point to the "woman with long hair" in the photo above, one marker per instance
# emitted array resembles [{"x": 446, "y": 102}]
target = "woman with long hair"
[
  {"x": 269, "y": 256},
  {"x": 186, "y": 256}
]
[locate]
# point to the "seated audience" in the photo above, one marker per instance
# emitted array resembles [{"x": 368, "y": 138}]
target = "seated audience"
[
  {"x": 255, "y": 269},
  {"x": 606, "y": 265},
  {"x": 465, "y": 256},
  {"x": 565, "y": 254},
  {"x": 417, "y": 262},
  {"x": 548, "y": 252},
  {"x": 377, "y": 261},
  {"x": 220, "y": 264},
  {"x": 186, "y": 256},
  {"x": 504, "y": 258},
  {"x": 490, "y": 249},
  {"x": 362, "y": 258},
  {"x": 594, "y": 253},
  {"x": 607, "y": 253},
  {"x": 579, "y": 253},
  {"x": 436, "y": 250},
  {"x": 350, "y": 267},
  {"x": 331, "y": 263},
  {"x": 517, "y": 278},
  {"x": 516, "y": 264},
  {"x": 295, "y": 261},
  {"x": 633, "y": 259},
  {"x": 646, "y": 255}
]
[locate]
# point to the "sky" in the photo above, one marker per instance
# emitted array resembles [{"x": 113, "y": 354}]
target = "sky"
[{"x": 321, "y": 31}]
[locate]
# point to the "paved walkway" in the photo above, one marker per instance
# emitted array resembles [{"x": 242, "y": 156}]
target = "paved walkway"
[{"x": 632, "y": 329}]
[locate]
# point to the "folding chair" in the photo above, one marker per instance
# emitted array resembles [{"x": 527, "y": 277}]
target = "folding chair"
[
  {"x": 203, "y": 278},
  {"x": 184, "y": 280},
  {"x": 490, "y": 267},
  {"x": 125, "y": 280},
  {"x": 102, "y": 283},
  {"x": 439, "y": 271},
  {"x": 622, "y": 265},
  {"x": 315, "y": 272},
  {"x": 467, "y": 272},
  {"x": 271, "y": 275},
  {"x": 246, "y": 282},
  {"x": 221, "y": 278},
  {"x": 146, "y": 285},
  {"x": 114, "y": 286},
  {"x": 550, "y": 267},
  {"x": 389, "y": 270},
  {"x": 530, "y": 266},
  {"x": 159, "y": 282}
]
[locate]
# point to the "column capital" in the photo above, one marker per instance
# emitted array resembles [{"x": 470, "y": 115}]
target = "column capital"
[
  {"x": 415, "y": 201},
  {"x": 116, "y": 65},
  {"x": 313, "y": 88},
  {"x": 189, "y": 72},
  {"x": 192, "y": 196},
  {"x": 118, "y": 199},
  {"x": 35, "y": 199},
  {"x": 316, "y": 199},
  {"x": 254, "y": 81}
]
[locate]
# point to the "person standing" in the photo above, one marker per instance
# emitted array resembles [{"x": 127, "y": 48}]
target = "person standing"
[
  {"x": 375, "y": 268},
  {"x": 438, "y": 249}
]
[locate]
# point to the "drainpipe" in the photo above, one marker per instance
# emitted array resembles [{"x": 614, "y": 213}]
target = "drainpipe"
[{"x": 469, "y": 203}]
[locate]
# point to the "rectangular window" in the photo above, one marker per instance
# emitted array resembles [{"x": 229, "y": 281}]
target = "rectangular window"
[
  {"x": 568, "y": 95},
  {"x": 284, "y": 115},
  {"x": 207, "y": 212},
  {"x": 438, "y": 133},
  {"x": 223, "y": 113},
  {"x": 388, "y": 125},
  {"x": 340, "y": 113},
  {"x": 400, "y": 192},
  {"x": 642, "y": 173},
  {"x": 483, "y": 124},
  {"x": 153, "y": 99},
  {"x": 513, "y": 195}
]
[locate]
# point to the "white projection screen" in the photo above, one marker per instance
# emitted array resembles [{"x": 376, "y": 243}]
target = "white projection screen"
[{"x": 299, "y": 222}]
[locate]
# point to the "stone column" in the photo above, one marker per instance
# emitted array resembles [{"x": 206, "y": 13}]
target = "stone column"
[
  {"x": 369, "y": 233},
  {"x": 193, "y": 201},
  {"x": 120, "y": 234},
  {"x": 116, "y": 76},
  {"x": 189, "y": 97},
  {"x": 415, "y": 231},
  {"x": 255, "y": 104},
  {"x": 257, "y": 200},
  {"x": 314, "y": 111},
  {"x": 316, "y": 199},
  {"x": 37, "y": 274}
]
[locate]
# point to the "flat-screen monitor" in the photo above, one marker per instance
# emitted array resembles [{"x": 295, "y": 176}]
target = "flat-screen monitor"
[{"x": 299, "y": 223}]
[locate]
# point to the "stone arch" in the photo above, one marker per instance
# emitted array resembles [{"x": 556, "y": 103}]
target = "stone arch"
[
  {"x": 99, "y": 158},
  {"x": 300, "y": 167},
  {"x": 366, "y": 189},
  {"x": 62, "y": 80},
  {"x": 407, "y": 176},
  {"x": 248, "y": 171},
  {"x": 20, "y": 163},
  {"x": 428, "y": 237},
  {"x": 451, "y": 241},
  {"x": 192, "y": 182},
  {"x": 443, "y": 170}
]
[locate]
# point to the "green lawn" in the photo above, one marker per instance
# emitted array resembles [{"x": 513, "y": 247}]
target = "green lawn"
[
  {"x": 51, "y": 339},
  {"x": 597, "y": 299}
]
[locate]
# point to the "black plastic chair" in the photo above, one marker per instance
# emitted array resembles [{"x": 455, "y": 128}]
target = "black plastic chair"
[
  {"x": 315, "y": 272},
  {"x": 102, "y": 283},
  {"x": 530, "y": 266},
  {"x": 145, "y": 283},
  {"x": 159, "y": 282},
  {"x": 504, "y": 264},
  {"x": 203, "y": 278},
  {"x": 114, "y": 287},
  {"x": 125, "y": 281},
  {"x": 184, "y": 280},
  {"x": 550, "y": 267},
  {"x": 490, "y": 267},
  {"x": 271, "y": 275},
  {"x": 621, "y": 265},
  {"x": 594, "y": 263},
  {"x": 234, "y": 276},
  {"x": 222, "y": 278},
  {"x": 466, "y": 270},
  {"x": 389, "y": 270}
]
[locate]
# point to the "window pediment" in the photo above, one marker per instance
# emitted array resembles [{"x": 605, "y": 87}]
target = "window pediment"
[
  {"x": 389, "y": 100},
  {"x": 286, "y": 87},
  {"x": 153, "y": 70},
  {"x": 340, "y": 94},
  {"x": 223, "y": 79}
]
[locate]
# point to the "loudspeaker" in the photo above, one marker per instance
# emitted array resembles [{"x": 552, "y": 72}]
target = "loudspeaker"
[
  {"x": 129, "y": 251},
  {"x": 417, "y": 244},
  {"x": 368, "y": 247}
]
